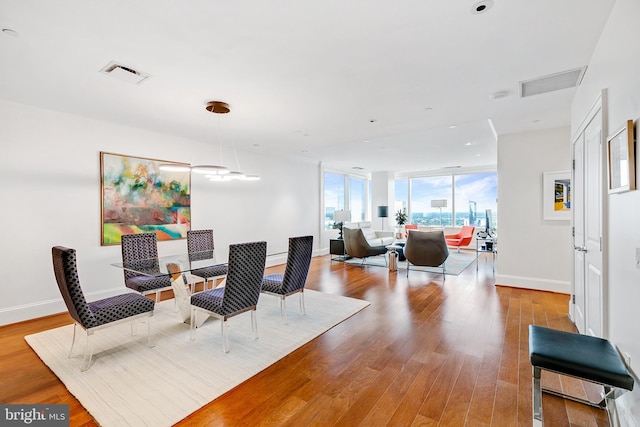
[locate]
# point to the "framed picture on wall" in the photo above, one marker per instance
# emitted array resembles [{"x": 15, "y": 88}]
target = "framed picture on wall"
[
  {"x": 621, "y": 159},
  {"x": 137, "y": 196},
  {"x": 556, "y": 196}
]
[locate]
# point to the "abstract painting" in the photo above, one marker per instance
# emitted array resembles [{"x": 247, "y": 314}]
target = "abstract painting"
[
  {"x": 138, "y": 197},
  {"x": 556, "y": 193}
]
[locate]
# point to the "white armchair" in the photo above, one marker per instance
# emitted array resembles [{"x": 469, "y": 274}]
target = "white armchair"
[{"x": 374, "y": 237}]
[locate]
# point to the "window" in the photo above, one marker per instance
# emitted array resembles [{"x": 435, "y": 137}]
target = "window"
[
  {"x": 425, "y": 190},
  {"x": 468, "y": 196},
  {"x": 402, "y": 196},
  {"x": 357, "y": 198},
  {"x": 475, "y": 193},
  {"x": 343, "y": 191},
  {"x": 334, "y": 194}
]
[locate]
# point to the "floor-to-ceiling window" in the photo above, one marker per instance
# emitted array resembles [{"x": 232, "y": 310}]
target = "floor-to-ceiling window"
[
  {"x": 345, "y": 192},
  {"x": 474, "y": 195},
  {"x": 334, "y": 196},
  {"x": 431, "y": 199},
  {"x": 449, "y": 200}
]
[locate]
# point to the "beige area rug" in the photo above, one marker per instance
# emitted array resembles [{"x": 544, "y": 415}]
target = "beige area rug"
[{"x": 133, "y": 384}]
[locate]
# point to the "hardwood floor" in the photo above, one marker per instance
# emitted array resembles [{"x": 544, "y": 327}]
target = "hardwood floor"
[{"x": 424, "y": 353}]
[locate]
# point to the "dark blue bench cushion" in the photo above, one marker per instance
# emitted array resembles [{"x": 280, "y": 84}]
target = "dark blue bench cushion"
[{"x": 581, "y": 356}]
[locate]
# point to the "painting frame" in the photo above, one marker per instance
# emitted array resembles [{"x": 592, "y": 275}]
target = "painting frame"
[
  {"x": 556, "y": 196},
  {"x": 137, "y": 196},
  {"x": 621, "y": 159}
]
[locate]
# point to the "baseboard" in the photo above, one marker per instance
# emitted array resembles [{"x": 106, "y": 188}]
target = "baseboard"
[{"x": 535, "y": 283}]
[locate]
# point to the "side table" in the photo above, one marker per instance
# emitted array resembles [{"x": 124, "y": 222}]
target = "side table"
[
  {"x": 336, "y": 247},
  {"x": 486, "y": 245}
]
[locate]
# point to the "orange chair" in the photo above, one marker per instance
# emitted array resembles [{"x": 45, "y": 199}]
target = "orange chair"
[
  {"x": 408, "y": 227},
  {"x": 462, "y": 238}
]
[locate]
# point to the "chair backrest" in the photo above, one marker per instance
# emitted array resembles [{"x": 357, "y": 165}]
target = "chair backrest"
[
  {"x": 355, "y": 243},
  {"x": 66, "y": 272},
  {"x": 244, "y": 279},
  {"x": 200, "y": 240},
  {"x": 298, "y": 261},
  {"x": 426, "y": 248},
  {"x": 467, "y": 231},
  {"x": 137, "y": 247}
]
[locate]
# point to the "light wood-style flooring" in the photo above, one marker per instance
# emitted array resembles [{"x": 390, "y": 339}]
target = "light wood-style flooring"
[{"x": 426, "y": 352}]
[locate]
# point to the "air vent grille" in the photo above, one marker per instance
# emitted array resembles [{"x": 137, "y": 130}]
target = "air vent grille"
[
  {"x": 124, "y": 73},
  {"x": 551, "y": 83}
]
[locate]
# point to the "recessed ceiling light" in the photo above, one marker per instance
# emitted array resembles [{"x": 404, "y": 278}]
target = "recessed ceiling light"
[
  {"x": 468, "y": 144},
  {"x": 453, "y": 127},
  {"x": 481, "y": 7},
  {"x": 9, "y": 32},
  {"x": 372, "y": 120}
]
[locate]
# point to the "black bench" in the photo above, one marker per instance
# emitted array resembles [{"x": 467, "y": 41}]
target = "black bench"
[{"x": 581, "y": 356}]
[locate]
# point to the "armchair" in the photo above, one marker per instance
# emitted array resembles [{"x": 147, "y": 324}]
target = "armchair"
[
  {"x": 462, "y": 238},
  {"x": 357, "y": 246},
  {"x": 426, "y": 248}
]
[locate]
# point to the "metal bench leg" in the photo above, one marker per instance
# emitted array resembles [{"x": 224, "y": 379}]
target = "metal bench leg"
[{"x": 536, "y": 392}]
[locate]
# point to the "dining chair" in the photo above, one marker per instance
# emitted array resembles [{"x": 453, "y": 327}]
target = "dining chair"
[
  {"x": 99, "y": 314},
  {"x": 143, "y": 248},
  {"x": 240, "y": 293},
  {"x": 200, "y": 245},
  {"x": 295, "y": 274},
  {"x": 427, "y": 249}
]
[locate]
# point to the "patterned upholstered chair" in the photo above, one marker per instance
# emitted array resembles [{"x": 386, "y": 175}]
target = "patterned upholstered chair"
[
  {"x": 241, "y": 292},
  {"x": 426, "y": 248},
  {"x": 295, "y": 274},
  {"x": 200, "y": 246},
  {"x": 96, "y": 315},
  {"x": 143, "y": 249}
]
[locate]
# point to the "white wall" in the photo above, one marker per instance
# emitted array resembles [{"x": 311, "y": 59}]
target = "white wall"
[
  {"x": 50, "y": 180},
  {"x": 615, "y": 66},
  {"x": 532, "y": 253}
]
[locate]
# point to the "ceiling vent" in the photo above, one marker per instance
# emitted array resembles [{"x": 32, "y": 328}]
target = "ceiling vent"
[
  {"x": 553, "y": 82},
  {"x": 124, "y": 73}
]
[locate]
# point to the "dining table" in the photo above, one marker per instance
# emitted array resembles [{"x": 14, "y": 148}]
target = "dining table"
[{"x": 179, "y": 267}]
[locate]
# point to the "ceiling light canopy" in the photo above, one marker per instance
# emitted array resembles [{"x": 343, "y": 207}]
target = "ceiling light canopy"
[{"x": 218, "y": 107}]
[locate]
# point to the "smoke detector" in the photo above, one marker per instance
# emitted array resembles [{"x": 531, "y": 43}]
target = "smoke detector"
[{"x": 124, "y": 73}]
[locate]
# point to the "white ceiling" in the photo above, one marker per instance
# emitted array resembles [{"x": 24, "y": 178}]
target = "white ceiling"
[{"x": 372, "y": 84}]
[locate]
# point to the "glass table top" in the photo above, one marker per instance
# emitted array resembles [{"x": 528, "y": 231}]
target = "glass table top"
[{"x": 159, "y": 266}]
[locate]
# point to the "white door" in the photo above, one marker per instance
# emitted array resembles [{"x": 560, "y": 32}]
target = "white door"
[
  {"x": 577, "y": 208},
  {"x": 588, "y": 276}
]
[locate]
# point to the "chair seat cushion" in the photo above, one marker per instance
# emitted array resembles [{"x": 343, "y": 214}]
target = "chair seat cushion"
[
  {"x": 213, "y": 271},
  {"x": 119, "y": 307},
  {"x": 273, "y": 283},
  {"x": 210, "y": 300},
  {"x": 148, "y": 283},
  {"x": 454, "y": 242},
  {"x": 581, "y": 356}
]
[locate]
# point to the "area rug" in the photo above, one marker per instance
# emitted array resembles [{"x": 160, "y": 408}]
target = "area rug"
[
  {"x": 455, "y": 264},
  {"x": 133, "y": 384}
]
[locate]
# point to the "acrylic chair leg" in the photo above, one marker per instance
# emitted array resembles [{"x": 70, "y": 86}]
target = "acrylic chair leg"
[
  {"x": 88, "y": 354},
  {"x": 225, "y": 338},
  {"x": 73, "y": 342},
  {"x": 302, "y": 308},
  {"x": 149, "y": 343},
  {"x": 134, "y": 329},
  {"x": 283, "y": 310},
  {"x": 254, "y": 324},
  {"x": 192, "y": 327}
]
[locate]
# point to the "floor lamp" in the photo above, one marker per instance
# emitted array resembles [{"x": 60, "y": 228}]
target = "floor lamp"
[
  {"x": 439, "y": 203},
  {"x": 383, "y": 212}
]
